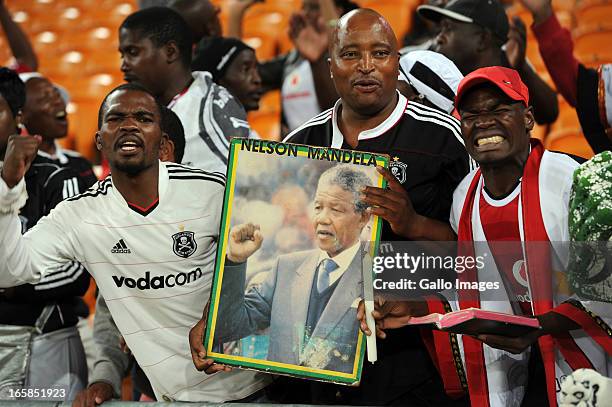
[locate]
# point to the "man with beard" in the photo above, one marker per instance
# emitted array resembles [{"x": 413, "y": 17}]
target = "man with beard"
[{"x": 147, "y": 233}]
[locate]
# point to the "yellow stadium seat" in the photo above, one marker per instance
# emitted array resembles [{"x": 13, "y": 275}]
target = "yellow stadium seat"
[
  {"x": 570, "y": 141},
  {"x": 48, "y": 42},
  {"x": 539, "y": 132},
  {"x": 83, "y": 123},
  {"x": 594, "y": 40},
  {"x": 397, "y": 12},
  {"x": 264, "y": 46},
  {"x": 589, "y": 12},
  {"x": 103, "y": 62},
  {"x": 270, "y": 102},
  {"x": 267, "y": 125},
  {"x": 70, "y": 64},
  {"x": 99, "y": 38},
  {"x": 93, "y": 88},
  {"x": 563, "y": 5},
  {"x": 271, "y": 23},
  {"x": 567, "y": 119}
]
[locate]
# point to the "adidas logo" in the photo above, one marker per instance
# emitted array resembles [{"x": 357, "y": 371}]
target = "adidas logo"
[{"x": 120, "y": 247}]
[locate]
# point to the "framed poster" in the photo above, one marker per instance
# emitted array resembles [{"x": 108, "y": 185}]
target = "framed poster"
[{"x": 290, "y": 261}]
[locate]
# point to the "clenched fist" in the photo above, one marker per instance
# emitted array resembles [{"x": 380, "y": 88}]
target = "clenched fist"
[
  {"x": 20, "y": 152},
  {"x": 244, "y": 240}
]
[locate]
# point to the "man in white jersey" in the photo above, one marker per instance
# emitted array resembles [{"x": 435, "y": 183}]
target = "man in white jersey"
[
  {"x": 155, "y": 46},
  {"x": 147, "y": 234}
]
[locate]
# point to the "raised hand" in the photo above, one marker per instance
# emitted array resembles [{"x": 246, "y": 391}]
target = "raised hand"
[
  {"x": 244, "y": 240},
  {"x": 540, "y": 9},
  {"x": 311, "y": 41},
  {"x": 20, "y": 152},
  {"x": 516, "y": 47}
]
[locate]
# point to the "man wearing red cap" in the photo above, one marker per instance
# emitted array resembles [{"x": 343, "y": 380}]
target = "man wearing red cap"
[{"x": 513, "y": 211}]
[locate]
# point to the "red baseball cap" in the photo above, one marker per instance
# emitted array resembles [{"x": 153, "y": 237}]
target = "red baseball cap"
[{"x": 506, "y": 79}]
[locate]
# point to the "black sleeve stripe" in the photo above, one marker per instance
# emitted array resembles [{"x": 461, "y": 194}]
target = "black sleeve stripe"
[
  {"x": 101, "y": 189},
  {"x": 309, "y": 123},
  {"x": 436, "y": 120},
  {"x": 178, "y": 169},
  {"x": 200, "y": 177}
]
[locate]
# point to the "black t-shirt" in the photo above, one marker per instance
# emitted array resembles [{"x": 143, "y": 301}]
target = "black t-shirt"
[
  {"x": 429, "y": 159},
  {"x": 75, "y": 161}
]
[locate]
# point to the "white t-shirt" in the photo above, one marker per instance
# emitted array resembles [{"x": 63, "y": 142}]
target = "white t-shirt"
[
  {"x": 299, "y": 96},
  {"x": 153, "y": 266}
]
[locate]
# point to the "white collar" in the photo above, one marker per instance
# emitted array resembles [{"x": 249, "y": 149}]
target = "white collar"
[
  {"x": 388, "y": 123},
  {"x": 343, "y": 260},
  {"x": 162, "y": 185},
  {"x": 59, "y": 155}
]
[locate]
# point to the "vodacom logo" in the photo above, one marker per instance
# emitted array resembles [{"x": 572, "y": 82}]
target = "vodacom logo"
[{"x": 520, "y": 274}]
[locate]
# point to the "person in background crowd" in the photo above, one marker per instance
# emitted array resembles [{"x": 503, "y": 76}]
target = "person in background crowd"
[
  {"x": 423, "y": 32},
  {"x": 233, "y": 65},
  {"x": 473, "y": 34},
  {"x": 44, "y": 114},
  {"x": 112, "y": 362},
  {"x": 302, "y": 75},
  {"x": 18, "y": 41},
  {"x": 589, "y": 90},
  {"x": 202, "y": 17},
  {"x": 56, "y": 357},
  {"x": 155, "y": 46},
  {"x": 429, "y": 78},
  {"x": 429, "y": 160}
]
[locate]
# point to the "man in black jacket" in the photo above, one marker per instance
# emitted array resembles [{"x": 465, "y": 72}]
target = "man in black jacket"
[{"x": 57, "y": 358}]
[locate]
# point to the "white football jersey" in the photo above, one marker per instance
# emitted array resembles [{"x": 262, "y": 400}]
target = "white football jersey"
[
  {"x": 210, "y": 116},
  {"x": 154, "y": 267}
]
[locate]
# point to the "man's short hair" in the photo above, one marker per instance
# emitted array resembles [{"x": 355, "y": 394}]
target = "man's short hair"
[
  {"x": 127, "y": 86},
  {"x": 162, "y": 25},
  {"x": 351, "y": 180},
  {"x": 12, "y": 89},
  {"x": 172, "y": 126}
]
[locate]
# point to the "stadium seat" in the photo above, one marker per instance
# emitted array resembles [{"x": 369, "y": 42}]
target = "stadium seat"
[
  {"x": 273, "y": 22},
  {"x": 539, "y": 132},
  {"x": 93, "y": 88},
  {"x": 570, "y": 141},
  {"x": 397, "y": 12},
  {"x": 593, "y": 12},
  {"x": 593, "y": 41},
  {"x": 270, "y": 102},
  {"x": 266, "y": 125},
  {"x": 567, "y": 119},
  {"x": 99, "y": 39},
  {"x": 48, "y": 42},
  {"x": 265, "y": 46},
  {"x": 563, "y": 5},
  {"x": 68, "y": 64},
  {"x": 83, "y": 123}
]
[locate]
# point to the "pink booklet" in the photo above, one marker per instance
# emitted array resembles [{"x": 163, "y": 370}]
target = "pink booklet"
[{"x": 474, "y": 321}]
